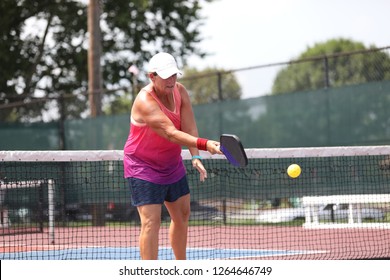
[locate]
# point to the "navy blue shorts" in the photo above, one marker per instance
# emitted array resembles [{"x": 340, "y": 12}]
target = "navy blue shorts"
[{"x": 144, "y": 192}]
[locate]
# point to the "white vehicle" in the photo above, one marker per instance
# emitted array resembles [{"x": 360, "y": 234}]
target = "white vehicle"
[{"x": 329, "y": 212}]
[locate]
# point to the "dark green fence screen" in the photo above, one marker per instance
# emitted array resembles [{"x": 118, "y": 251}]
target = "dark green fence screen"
[{"x": 352, "y": 115}]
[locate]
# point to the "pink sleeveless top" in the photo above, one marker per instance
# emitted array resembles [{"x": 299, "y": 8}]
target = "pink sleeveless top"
[{"x": 150, "y": 157}]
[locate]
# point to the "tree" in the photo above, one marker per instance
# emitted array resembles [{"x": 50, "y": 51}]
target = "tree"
[
  {"x": 44, "y": 45},
  {"x": 323, "y": 65},
  {"x": 210, "y": 85}
]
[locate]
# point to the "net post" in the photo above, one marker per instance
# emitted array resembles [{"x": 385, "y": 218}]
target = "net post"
[
  {"x": 50, "y": 187},
  {"x": 350, "y": 214},
  {"x": 224, "y": 211},
  {"x": 308, "y": 214}
]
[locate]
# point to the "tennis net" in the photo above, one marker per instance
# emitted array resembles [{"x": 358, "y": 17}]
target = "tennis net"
[{"x": 76, "y": 205}]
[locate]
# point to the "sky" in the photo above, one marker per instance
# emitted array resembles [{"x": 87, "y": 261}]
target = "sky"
[{"x": 247, "y": 33}]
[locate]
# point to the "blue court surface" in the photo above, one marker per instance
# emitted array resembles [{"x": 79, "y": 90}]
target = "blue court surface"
[{"x": 132, "y": 253}]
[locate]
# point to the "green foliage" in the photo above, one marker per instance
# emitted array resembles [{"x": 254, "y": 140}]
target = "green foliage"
[
  {"x": 203, "y": 85},
  {"x": 44, "y": 47},
  {"x": 120, "y": 105},
  {"x": 319, "y": 67}
]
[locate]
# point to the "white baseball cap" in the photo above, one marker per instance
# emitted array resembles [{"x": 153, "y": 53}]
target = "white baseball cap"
[{"x": 164, "y": 65}]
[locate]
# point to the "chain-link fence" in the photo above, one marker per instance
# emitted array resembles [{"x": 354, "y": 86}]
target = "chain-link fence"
[
  {"x": 342, "y": 99},
  {"x": 308, "y": 73}
]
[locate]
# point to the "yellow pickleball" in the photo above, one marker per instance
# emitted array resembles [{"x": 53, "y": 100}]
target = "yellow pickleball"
[{"x": 294, "y": 170}]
